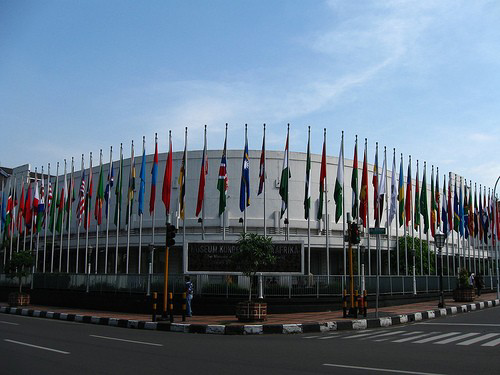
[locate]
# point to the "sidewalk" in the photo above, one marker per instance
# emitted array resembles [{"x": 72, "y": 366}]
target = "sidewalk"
[{"x": 276, "y": 323}]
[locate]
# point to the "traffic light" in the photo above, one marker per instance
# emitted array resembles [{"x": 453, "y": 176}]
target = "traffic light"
[
  {"x": 354, "y": 234},
  {"x": 171, "y": 230}
]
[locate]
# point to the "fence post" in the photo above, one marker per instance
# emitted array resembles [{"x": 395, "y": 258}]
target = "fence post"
[{"x": 317, "y": 286}]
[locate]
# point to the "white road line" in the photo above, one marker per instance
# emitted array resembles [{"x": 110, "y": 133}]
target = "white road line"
[
  {"x": 462, "y": 324},
  {"x": 415, "y": 337},
  {"x": 382, "y": 335},
  {"x": 380, "y": 369},
  {"x": 10, "y": 323},
  {"x": 358, "y": 335},
  {"x": 492, "y": 343},
  {"x": 310, "y": 337},
  {"x": 124, "y": 340},
  {"x": 332, "y": 336},
  {"x": 456, "y": 338},
  {"x": 36, "y": 346},
  {"x": 429, "y": 339},
  {"x": 477, "y": 339}
]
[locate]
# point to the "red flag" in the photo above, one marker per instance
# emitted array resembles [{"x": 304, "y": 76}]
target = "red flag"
[
  {"x": 375, "y": 189},
  {"x": 408, "y": 196},
  {"x": 363, "y": 195},
  {"x": 20, "y": 212},
  {"x": 167, "y": 179},
  {"x": 27, "y": 207},
  {"x": 203, "y": 173},
  {"x": 154, "y": 174}
]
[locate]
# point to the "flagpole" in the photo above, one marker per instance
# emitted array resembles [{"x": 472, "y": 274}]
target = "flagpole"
[
  {"x": 225, "y": 192},
  {"x": 118, "y": 205},
  {"x": 327, "y": 227},
  {"x": 387, "y": 213},
  {"x": 24, "y": 213},
  {"x": 79, "y": 221},
  {"x": 62, "y": 221},
  {"x": 154, "y": 211},
  {"x": 69, "y": 211},
  {"x": 287, "y": 178},
  {"x": 31, "y": 196},
  {"x": 245, "y": 204},
  {"x": 309, "y": 208},
  {"x": 21, "y": 199},
  {"x": 108, "y": 204},
  {"x": 184, "y": 245},
  {"x": 54, "y": 223},
  {"x": 87, "y": 216},
  {"x": 396, "y": 217},
  {"x": 129, "y": 204},
  {"x": 420, "y": 228},
  {"x": 45, "y": 224},
  {"x": 368, "y": 213},
  {"x": 96, "y": 212},
  {"x": 474, "y": 243},
  {"x": 355, "y": 197},
  {"x": 265, "y": 178},
  {"x": 343, "y": 207},
  {"x": 203, "y": 201},
  {"x": 13, "y": 217},
  {"x": 142, "y": 214},
  {"x": 428, "y": 240},
  {"x": 436, "y": 226}
]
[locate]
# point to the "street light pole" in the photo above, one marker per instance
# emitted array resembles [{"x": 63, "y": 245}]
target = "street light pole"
[{"x": 496, "y": 223}]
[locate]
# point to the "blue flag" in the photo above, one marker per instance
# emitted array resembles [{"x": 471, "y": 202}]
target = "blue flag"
[
  {"x": 461, "y": 212},
  {"x": 143, "y": 183},
  {"x": 245, "y": 179}
]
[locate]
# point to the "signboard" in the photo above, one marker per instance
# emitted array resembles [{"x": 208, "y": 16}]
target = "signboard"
[
  {"x": 214, "y": 257},
  {"x": 377, "y": 231}
]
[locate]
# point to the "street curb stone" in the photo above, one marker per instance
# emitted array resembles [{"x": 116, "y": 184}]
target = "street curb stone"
[{"x": 256, "y": 329}]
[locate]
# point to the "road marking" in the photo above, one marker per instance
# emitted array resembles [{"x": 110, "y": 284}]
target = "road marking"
[
  {"x": 415, "y": 337},
  {"x": 36, "y": 346},
  {"x": 462, "y": 324},
  {"x": 477, "y": 339},
  {"x": 310, "y": 337},
  {"x": 492, "y": 343},
  {"x": 383, "y": 335},
  {"x": 12, "y": 324},
  {"x": 380, "y": 369},
  {"x": 358, "y": 335},
  {"x": 456, "y": 338},
  {"x": 332, "y": 336},
  {"x": 428, "y": 339},
  {"x": 124, "y": 340}
]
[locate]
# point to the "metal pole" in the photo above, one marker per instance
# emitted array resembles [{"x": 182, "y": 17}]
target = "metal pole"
[{"x": 495, "y": 215}]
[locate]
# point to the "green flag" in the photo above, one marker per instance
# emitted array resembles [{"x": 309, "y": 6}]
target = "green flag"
[
  {"x": 339, "y": 182},
  {"x": 118, "y": 190},
  {"x": 416, "y": 205},
  {"x": 423, "y": 202}
]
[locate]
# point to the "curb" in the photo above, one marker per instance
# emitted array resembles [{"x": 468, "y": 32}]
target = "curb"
[{"x": 257, "y": 329}]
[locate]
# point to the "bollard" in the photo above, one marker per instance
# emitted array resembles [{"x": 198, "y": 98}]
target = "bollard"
[
  {"x": 155, "y": 297},
  {"x": 171, "y": 306},
  {"x": 356, "y": 303},
  {"x": 184, "y": 306}
]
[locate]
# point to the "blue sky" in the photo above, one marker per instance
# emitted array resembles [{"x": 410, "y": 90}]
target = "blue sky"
[{"x": 419, "y": 76}]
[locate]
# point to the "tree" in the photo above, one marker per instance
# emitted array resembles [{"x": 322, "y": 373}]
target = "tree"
[
  {"x": 19, "y": 266},
  {"x": 254, "y": 253},
  {"x": 420, "y": 251}
]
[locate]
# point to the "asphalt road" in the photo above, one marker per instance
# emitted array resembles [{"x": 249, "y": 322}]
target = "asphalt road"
[{"x": 462, "y": 344}]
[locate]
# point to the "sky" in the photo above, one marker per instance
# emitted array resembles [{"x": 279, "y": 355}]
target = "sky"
[{"x": 422, "y": 77}]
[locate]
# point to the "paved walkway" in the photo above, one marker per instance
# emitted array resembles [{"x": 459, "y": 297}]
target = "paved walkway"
[{"x": 272, "y": 319}]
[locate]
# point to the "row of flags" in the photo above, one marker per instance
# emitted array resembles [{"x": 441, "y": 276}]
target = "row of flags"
[{"x": 461, "y": 211}]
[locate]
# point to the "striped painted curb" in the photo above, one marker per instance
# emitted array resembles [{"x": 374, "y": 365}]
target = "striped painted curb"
[{"x": 257, "y": 329}]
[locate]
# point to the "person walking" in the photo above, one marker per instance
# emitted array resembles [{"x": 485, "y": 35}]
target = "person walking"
[
  {"x": 188, "y": 289},
  {"x": 479, "y": 283},
  {"x": 471, "y": 280}
]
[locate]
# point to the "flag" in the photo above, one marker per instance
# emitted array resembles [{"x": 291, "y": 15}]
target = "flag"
[
  {"x": 456, "y": 209},
  {"x": 88, "y": 197},
  {"x": 20, "y": 213},
  {"x": 401, "y": 193},
  {"x": 476, "y": 214},
  {"x": 27, "y": 206},
  {"x": 8, "y": 215},
  {"x": 52, "y": 205},
  {"x": 99, "y": 198},
  {"x": 416, "y": 205},
  {"x": 154, "y": 176},
  {"x": 376, "y": 213},
  {"x": 444, "y": 212},
  {"x": 484, "y": 219},
  {"x": 41, "y": 208},
  {"x": 307, "y": 188},
  {"x": 471, "y": 212},
  {"x": 70, "y": 199},
  {"x": 262, "y": 164},
  {"x": 322, "y": 181},
  {"x": 181, "y": 181},
  {"x": 424, "y": 210},
  {"x": 131, "y": 187},
  {"x": 363, "y": 194},
  {"x": 4, "y": 209},
  {"x": 118, "y": 191},
  {"x": 167, "y": 179},
  {"x": 449, "y": 209},
  {"x": 408, "y": 195},
  {"x": 109, "y": 185},
  {"x": 394, "y": 191},
  {"x": 354, "y": 183},
  {"x": 433, "y": 206},
  {"x": 203, "y": 176},
  {"x": 36, "y": 204},
  {"x": 461, "y": 210},
  {"x": 437, "y": 197},
  {"x": 465, "y": 211},
  {"x": 382, "y": 189},
  {"x": 60, "y": 213},
  {"x": 337, "y": 193},
  {"x": 245, "y": 179},
  {"x": 142, "y": 188},
  {"x": 80, "y": 208},
  {"x": 223, "y": 181},
  {"x": 285, "y": 176}
]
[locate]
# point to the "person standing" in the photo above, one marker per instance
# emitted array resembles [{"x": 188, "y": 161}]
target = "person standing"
[
  {"x": 479, "y": 283},
  {"x": 188, "y": 289}
]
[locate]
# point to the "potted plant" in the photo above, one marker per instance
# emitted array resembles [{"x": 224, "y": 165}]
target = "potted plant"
[
  {"x": 254, "y": 253},
  {"x": 19, "y": 266},
  {"x": 464, "y": 292}
]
